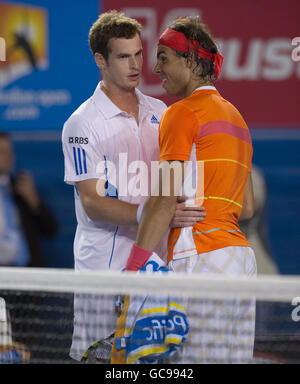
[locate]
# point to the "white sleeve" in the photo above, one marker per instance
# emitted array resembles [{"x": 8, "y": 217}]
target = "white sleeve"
[{"x": 82, "y": 150}]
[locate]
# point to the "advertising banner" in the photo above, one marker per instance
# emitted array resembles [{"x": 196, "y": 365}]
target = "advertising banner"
[{"x": 48, "y": 69}]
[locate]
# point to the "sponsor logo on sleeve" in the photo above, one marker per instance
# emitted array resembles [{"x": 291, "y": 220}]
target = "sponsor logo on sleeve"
[{"x": 78, "y": 140}]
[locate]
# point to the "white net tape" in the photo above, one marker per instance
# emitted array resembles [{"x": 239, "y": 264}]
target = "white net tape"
[{"x": 268, "y": 288}]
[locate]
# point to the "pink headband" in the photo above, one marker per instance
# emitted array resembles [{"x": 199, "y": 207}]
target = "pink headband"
[{"x": 178, "y": 41}]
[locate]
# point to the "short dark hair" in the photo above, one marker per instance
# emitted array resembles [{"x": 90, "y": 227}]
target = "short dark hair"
[
  {"x": 110, "y": 25},
  {"x": 194, "y": 29}
]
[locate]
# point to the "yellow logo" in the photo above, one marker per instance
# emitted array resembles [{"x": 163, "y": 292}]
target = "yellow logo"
[{"x": 24, "y": 38}]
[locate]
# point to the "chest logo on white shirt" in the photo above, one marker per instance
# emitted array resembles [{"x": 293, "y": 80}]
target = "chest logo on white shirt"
[
  {"x": 154, "y": 120},
  {"x": 78, "y": 140}
]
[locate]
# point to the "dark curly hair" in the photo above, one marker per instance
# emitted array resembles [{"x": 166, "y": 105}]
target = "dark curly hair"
[{"x": 194, "y": 29}]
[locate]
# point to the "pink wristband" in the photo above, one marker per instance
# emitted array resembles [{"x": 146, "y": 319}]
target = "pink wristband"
[{"x": 137, "y": 258}]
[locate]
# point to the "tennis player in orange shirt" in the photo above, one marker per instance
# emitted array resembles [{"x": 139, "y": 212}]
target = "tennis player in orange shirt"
[{"x": 206, "y": 130}]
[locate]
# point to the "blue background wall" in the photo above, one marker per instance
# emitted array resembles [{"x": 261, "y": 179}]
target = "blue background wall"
[
  {"x": 71, "y": 67},
  {"x": 279, "y": 158}
]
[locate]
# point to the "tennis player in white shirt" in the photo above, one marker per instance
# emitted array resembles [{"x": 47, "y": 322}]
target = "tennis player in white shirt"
[{"x": 109, "y": 145}]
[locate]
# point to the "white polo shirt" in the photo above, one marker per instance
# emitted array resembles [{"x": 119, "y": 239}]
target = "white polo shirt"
[{"x": 101, "y": 141}]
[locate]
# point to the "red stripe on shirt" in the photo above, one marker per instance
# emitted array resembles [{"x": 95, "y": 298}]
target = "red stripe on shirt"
[{"x": 224, "y": 127}]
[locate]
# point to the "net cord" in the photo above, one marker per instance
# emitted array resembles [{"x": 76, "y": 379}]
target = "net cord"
[{"x": 268, "y": 288}]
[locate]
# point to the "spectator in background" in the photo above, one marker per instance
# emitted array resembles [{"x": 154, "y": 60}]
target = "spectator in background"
[
  {"x": 23, "y": 215},
  {"x": 256, "y": 228}
]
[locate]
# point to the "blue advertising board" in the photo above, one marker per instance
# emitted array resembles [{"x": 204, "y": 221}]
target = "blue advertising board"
[{"x": 49, "y": 69}]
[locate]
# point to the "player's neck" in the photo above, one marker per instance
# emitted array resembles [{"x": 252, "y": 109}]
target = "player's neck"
[
  {"x": 124, "y": 99},
  {"x": 120, "y": 96},
  {"x": 193, "y": 85}
]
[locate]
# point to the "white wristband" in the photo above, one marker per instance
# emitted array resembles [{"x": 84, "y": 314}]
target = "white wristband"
[{"x": 139, "y": 212}]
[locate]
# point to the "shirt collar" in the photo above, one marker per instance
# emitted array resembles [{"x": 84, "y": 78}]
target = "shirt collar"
[
  {"x": 141, "y": 97},
  {"x": 211, "y": 87},
  {"x": 107, "y": 107}
]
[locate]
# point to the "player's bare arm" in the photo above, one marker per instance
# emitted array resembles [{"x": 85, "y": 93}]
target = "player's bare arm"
[
  {"x": 104, "y": 208},
  {"x": 159, "y": 210}
]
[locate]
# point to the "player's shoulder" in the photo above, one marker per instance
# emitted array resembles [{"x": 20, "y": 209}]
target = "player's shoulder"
[
  {"x": 79, "y": 125},
  {"x": 230, "y": 111},
  {"x": 75, "y": 120},
  {"x": 180, "y": 108},
  {"x": 83, "y": 117}
]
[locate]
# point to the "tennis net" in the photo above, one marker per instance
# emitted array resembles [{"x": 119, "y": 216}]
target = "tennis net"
[{"x": 67, "y": 317}]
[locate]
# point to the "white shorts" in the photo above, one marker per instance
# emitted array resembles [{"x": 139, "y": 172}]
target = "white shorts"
[{"x": 221, "y": 331}]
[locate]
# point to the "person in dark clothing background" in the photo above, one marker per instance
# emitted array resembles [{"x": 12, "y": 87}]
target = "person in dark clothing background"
[{"x": 24, "y": 217}]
